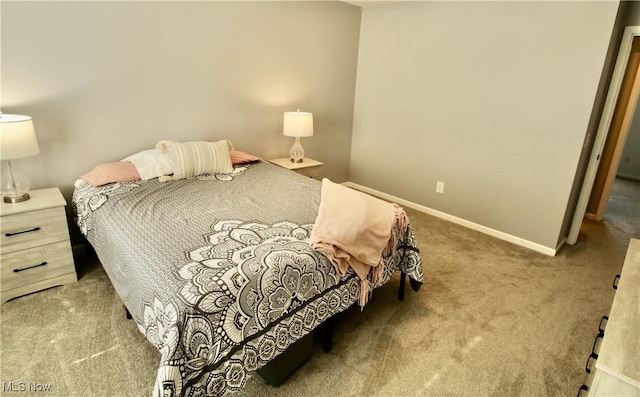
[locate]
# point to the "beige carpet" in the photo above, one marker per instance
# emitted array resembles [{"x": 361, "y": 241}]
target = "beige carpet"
[{"x": 493, "y": 319}]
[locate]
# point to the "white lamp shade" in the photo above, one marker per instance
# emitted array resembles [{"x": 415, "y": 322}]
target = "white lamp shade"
[
  {"x": 17, "y": 137},
  {"x": 298, "y": 124}
]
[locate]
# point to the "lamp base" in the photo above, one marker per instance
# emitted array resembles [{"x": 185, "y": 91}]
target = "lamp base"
[
  {"x": 14, "y": 186},
  {"x": 16, "y": 199},
  {"x": 297, "y": 152}
]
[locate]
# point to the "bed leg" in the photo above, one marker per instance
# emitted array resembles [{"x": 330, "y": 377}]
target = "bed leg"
[
  {"x": 327, "y": 342},
  {"x": 127, "y": 314},
  {"x": 403, "y": 279}
]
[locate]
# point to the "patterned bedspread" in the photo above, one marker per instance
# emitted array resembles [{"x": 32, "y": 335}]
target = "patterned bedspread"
[{"x": 217, "y": 271}]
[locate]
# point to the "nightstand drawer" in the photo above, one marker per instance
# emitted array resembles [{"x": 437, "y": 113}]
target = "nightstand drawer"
[
  {"x": 33, "y": 228},
  {"x": 308, "y": 167},
  {"x": 36, "y": 264},
  {"x": 312, "y": 172}
]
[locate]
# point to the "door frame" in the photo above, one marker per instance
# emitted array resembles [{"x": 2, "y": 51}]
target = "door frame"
[
  {"x": 625, "y": 127},
  {"x": 620, "y": 67}
]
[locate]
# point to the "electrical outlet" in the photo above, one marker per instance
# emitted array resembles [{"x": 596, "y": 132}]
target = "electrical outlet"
[{"x": 440, "y": 187}]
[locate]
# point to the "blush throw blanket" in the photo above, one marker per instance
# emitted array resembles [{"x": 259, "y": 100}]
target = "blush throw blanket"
[{"x": 356, "y": 230}]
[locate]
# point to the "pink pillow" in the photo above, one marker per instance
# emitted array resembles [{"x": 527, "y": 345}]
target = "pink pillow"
[
  {"x": 120, "y": 171},
  {"x": 238, "y": 157}
]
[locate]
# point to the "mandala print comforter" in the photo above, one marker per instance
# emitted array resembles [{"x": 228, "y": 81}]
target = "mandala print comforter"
[{"x": 217, "y": 271}]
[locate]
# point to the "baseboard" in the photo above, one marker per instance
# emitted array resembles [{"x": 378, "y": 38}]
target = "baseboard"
[
  {"x": 463, "y": 222},
  {"x": 561, "y": 244},
  {"x": 629, "y": 176}
]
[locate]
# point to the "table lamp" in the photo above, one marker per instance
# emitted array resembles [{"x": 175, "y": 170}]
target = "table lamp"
[
  {"x": 17, "y": 140},
  {"x": 297, "y": 124}
]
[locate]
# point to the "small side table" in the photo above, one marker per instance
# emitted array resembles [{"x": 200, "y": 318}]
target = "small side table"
[
  {"x": 36, "y": 250},
  {"x": 308, "y": 167}
]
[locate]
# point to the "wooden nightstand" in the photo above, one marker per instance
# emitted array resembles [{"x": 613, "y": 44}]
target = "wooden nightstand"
[
  {"x": 35, "y": 245},
  {"x": 308, "y": 167}
]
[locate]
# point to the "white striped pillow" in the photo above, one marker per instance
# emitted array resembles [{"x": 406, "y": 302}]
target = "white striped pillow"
[{"x": 196, "y": 158}]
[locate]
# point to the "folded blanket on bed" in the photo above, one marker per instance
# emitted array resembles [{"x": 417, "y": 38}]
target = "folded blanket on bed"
[{"x": 355, "y": 230}]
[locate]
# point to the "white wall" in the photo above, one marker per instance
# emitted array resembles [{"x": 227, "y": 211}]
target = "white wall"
[
  {"x": 105, "y": 79},
  {"x": 492, "y": 98}
]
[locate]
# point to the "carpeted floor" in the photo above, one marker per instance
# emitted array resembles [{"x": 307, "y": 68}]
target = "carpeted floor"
[{"x": 493, "y": 319}]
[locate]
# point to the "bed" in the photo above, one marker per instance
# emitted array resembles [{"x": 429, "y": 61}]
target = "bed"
[{"x": 217, "y": 271}]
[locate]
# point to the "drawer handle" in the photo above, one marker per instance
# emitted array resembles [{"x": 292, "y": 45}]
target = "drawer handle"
[
  {"x": 616, "y": 279},
  {"x": 604, "y": 319},
  {"x": 35, "y": 229},
  {"x": 29, "y": 267},
  {"x": 595, "y": 343},
  {"x": 591, "y": 356},
  {"x": 583, "y": 387}
]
